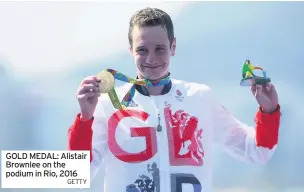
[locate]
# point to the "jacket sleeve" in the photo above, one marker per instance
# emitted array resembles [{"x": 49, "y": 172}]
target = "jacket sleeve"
[
  {"x": 90, "y": 135},
  {"x": 249, "y": 144}
]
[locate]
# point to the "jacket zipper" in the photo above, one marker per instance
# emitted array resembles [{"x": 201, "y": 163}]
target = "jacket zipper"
[{"x": 159, "y": 127}]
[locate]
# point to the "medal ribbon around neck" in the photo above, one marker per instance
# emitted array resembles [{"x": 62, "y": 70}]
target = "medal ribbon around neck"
[{"x": 107, "y": 84}]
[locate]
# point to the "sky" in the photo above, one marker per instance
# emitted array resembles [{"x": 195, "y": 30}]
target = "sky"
[
  {"x": 42, "y": 37},
  {"x": 46, "y": 49}
]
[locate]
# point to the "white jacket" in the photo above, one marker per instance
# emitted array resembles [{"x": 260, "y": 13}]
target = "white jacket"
[{"x": 138, "y": 158}]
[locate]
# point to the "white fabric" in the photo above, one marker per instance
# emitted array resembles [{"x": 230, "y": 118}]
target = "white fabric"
[{"x": 198, "y": 101}]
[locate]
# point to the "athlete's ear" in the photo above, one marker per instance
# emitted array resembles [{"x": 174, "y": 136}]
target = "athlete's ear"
[{"x": 173, "y": 47}]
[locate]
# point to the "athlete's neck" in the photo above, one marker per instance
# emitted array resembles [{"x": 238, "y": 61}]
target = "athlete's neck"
[{"x": 154, "y": 90}]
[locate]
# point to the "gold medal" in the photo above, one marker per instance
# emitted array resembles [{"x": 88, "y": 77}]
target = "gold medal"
[
  {"x": 107, "y": 81},
  {"x": 106, "y": 85}
]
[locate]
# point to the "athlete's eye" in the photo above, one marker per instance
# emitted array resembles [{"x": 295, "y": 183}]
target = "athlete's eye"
[
  {"x": 141, "y": 51},
  {"x": 160, "y": 50}
]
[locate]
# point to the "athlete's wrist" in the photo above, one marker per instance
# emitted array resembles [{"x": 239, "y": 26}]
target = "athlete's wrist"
[{"x": 85, "y": 119}]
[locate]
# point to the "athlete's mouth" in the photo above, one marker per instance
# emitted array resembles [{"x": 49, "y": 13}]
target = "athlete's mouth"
[{"x": 152, "y": 67}]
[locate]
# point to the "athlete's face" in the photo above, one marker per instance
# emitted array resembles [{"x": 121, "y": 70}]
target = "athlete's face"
[{"x": 151, "y": 51}]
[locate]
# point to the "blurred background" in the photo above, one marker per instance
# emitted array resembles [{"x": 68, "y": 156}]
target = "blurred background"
[{"x": 47, "y": 48}]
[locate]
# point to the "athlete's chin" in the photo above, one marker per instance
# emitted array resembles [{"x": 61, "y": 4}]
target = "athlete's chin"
[
  {"x": 154, "y": 76},
  {"x": 154, "y": 73}
]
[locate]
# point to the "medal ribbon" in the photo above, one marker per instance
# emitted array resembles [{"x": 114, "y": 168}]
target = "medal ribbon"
[{"x": 130, "y": 94}]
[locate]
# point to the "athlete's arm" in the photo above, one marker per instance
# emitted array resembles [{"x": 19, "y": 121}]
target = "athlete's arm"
[
  {"x": 251, "y": 144},
  {"x": 90, "y": 135}
]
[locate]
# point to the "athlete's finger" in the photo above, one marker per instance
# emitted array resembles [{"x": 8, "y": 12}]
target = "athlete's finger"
[
  {"x": 88, "y": 88},
  {"x": 91, "y": 79},
  {"x": 87, "y": 95}
]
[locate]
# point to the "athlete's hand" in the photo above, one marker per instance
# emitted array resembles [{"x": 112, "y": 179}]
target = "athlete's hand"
[
  {"x": 266, "y": 96},
  {"x": 87, "y": 95}
]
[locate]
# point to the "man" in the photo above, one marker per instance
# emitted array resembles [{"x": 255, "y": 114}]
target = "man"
[{"x": 162, "y": 142}]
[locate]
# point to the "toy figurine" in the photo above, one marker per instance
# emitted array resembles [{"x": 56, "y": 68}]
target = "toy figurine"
[{"x": 249, "y": 78}]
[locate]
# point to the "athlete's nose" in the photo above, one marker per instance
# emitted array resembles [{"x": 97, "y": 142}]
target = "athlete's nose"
[{"x": 151, "y": 59}]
